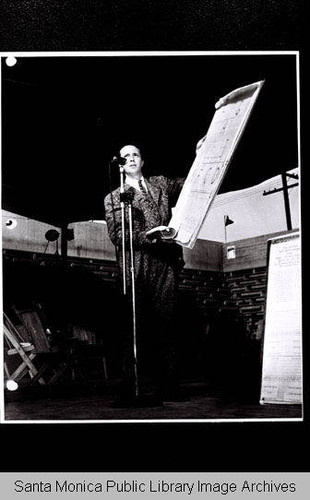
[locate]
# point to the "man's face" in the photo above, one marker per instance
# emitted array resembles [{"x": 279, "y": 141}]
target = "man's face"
[{"x": 134, "y": 162}]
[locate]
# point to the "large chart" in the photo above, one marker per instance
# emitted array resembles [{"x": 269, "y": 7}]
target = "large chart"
[
  {"x": 214, "y": 153},
  {"x": 282, "y": 353}
]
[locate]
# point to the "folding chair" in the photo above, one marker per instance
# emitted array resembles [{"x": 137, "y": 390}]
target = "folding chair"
[
  {"x": 25, "y": 351},
  {"x": 36, "y": 361}
]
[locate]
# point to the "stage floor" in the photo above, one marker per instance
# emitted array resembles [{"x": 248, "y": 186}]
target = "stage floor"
[{"x": 96, "y": 403}]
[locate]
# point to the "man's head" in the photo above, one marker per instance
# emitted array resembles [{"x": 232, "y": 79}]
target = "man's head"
[{"x": 134, "y": 162}]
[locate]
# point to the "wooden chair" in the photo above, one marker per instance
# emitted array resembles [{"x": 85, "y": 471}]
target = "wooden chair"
[
  {"x": 15, "y": 345},
  {"x": 36, "y": 361}
]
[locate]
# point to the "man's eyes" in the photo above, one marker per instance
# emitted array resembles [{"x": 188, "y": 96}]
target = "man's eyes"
[{"x": 134, "y": 154}]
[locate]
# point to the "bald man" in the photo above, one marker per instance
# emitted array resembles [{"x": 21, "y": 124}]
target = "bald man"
[{"x": 157, "y": 264}]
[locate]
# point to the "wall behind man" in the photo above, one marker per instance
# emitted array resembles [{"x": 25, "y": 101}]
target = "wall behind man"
[{"x": 91, "y": 241}]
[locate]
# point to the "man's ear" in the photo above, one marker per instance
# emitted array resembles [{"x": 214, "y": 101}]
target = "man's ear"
[{"x": 142, "y": 163}]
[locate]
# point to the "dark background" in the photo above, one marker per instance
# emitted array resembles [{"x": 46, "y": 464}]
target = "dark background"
[
  {"x": 64, "y": 118},
  {"x": 154, "y": 25}
]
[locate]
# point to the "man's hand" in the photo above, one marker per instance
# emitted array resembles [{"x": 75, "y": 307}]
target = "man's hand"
[{"x": 161, "y": 232}]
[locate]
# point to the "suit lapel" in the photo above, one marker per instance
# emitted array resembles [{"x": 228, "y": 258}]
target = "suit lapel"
[
  {"x": 139, "y": 201},
  {"x": 137, "y": 197},
  {"x": 154, "y": 190}
]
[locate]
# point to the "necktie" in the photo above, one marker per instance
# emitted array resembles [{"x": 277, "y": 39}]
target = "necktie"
[{"x": 142, "y": 188}]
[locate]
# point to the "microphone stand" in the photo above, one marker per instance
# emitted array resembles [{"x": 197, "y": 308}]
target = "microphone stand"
[
  {"x": 121, "y": 171},
  {"x": 126, "y": 199}
]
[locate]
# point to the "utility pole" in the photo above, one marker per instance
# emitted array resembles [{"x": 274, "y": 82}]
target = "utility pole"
[{"x": 285, "y": 188}]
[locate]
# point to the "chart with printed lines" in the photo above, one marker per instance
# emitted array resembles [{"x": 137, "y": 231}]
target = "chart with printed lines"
[{"x": 213, "y": 155}]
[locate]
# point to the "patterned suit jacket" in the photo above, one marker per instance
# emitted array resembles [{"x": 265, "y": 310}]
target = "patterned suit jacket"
[{"x": 147, "y": 212}]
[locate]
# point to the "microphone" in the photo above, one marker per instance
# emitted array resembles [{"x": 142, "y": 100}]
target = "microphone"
[{"x": 118, "y": 160}]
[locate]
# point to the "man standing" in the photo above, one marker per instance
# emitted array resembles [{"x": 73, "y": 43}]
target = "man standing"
[{"x": 157, "y": 263}]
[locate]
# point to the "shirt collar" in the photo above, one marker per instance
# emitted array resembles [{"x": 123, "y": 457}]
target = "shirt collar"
[{"x": 135, "y": 183}]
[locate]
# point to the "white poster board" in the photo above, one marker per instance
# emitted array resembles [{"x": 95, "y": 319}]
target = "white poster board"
[
  {"x": 282, "y": 350},
  {"x": 214, "y": 153}
]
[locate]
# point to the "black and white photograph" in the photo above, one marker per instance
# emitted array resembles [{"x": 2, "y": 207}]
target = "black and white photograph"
[
  {"x": 152, "y": 194},
  {"x": 151, "y": 253}
]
